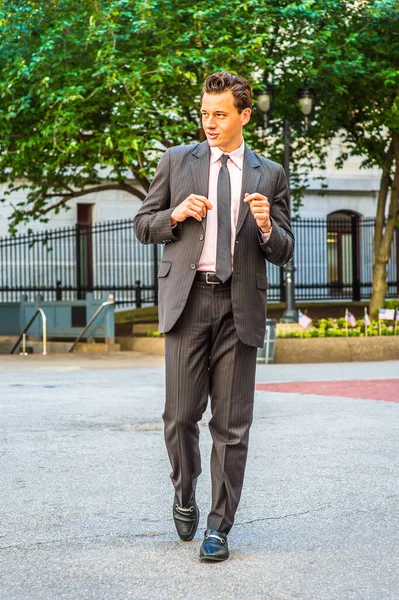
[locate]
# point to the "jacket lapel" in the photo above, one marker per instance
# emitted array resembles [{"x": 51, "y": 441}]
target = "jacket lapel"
[
  {"x": 250, "y": 182},
  {"x": 200, "y": 171}
]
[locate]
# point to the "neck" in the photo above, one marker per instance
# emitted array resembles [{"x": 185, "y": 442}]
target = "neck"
[{"x": 231, "y": 149}]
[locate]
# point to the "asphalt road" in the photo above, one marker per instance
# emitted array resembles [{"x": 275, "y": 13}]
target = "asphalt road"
[{"x": 85, "y": 497}]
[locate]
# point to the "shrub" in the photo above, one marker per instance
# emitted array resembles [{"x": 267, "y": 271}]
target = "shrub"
[{"x": 338, "y": 328}]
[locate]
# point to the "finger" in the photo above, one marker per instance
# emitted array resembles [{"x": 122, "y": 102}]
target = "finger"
[
  {"x": 260, "y": 210},
  {"x": 193, "y": 213},
  {"x": 255, "y": 196},
  {"x": 199, "y": 203},
  {"x": 257, "y": 205},
  {"x": 202, "y": 199},
  {"x": 198, "y": 209},
  {"x": 261, "y": 216},
  {"x": 260, "y": 203}
]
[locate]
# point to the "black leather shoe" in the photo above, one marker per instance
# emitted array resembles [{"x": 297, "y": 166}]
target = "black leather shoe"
[
  {"x": 186, "y": 519},
  {"x": 214, "y": 547}
]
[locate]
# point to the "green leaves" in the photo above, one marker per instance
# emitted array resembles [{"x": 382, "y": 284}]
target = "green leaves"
[{"x": 113, "y": 84}]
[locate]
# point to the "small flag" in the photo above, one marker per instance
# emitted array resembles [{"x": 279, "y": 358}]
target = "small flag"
[
  {"x": 367, "y": 321},
  {"x": 386, "y": 314},
  {"x": 350, "y": 319},
  {"x": 303, "y": 320}
]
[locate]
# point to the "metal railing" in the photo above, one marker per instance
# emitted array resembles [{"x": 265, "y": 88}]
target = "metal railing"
[
  {"x": 109, "y": 302},
  {"x": 23, "y": 334},
  {"x": 333, "y": 260}
]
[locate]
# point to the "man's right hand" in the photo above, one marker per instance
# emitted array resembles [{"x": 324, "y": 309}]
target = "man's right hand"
[{"x": 193, "y": 206}]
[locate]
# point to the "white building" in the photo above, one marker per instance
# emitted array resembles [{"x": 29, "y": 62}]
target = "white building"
[
  {"x": 350, "y": 189},
  {"x": 334, "y": 240}
]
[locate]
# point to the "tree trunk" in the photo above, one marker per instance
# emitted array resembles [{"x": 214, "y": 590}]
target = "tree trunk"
[
  {"x": 379, "y": 288},
  {"x": 385, "y": 227}
]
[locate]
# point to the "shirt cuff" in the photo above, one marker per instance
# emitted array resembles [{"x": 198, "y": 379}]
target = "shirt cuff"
[{"x": 265, "y": 236}]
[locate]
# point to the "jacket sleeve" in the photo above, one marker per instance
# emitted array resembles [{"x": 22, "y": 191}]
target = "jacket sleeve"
[
  {"x": 280, "y": 246},
  {"x": 152, "y": 223}
]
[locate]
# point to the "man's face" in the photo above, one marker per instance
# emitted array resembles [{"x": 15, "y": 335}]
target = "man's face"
[{"x": 222, "y": 122}]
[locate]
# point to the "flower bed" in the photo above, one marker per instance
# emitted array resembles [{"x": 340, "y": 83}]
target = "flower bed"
[{"x": 340, "y": 328}]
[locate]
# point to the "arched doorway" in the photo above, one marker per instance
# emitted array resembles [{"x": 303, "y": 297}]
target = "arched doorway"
[{"x": 343, "y": 254}]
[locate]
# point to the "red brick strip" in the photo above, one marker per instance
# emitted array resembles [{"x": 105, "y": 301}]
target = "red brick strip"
[{"x": 367, "y": 389}]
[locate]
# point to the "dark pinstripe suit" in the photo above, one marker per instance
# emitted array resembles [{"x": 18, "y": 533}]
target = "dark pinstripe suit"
[{"x": 212, "y": 331}]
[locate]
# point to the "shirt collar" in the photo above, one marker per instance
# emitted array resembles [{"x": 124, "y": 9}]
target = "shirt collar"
[{"x": 237, "y": 156}]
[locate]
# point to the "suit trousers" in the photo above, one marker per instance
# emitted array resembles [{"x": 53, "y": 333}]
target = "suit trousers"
[{"x": 205, "y": 358}]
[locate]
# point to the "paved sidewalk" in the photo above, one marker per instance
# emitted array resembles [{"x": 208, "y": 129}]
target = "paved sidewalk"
[{"x": 85, "y": 500}]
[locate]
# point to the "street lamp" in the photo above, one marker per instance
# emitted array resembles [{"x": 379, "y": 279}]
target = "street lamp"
[
  {"x": 264, "y": 103},
  {"x": 307, "y": 102}
]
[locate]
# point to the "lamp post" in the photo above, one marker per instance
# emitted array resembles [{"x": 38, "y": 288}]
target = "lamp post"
[{"x": 264, "y": 104}]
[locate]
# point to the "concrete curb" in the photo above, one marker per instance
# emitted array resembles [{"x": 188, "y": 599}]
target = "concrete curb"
[
  {"x": 297, "y": 350},
  {"x": 347, "y": 349}
]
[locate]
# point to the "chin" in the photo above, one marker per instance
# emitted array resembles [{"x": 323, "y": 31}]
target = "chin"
[{"x": 213, "y": 143}]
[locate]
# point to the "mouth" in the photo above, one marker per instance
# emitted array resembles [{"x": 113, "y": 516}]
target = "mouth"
[{"x": 212, "y": 135}]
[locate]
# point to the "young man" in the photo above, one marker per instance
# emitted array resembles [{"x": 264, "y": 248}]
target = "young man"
[{"x": 220, "y": 210}]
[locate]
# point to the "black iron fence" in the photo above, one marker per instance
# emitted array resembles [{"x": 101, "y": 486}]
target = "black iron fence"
[{"x": 333, "y": 261}]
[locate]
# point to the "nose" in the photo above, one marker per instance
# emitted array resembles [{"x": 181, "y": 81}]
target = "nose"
[{"x": 209, "y": 122}]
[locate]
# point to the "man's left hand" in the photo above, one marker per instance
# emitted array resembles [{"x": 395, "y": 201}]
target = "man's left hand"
[{"x": 260, "y": 208}]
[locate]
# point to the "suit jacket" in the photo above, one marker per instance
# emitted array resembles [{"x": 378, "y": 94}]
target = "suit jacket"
[{"x": 184, "y": 170}]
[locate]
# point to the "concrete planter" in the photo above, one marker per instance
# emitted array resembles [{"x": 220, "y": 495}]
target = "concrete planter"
[
  {"x": 146, "y": 345},
  {"x": 348, "y": 349},
  {"x": 293, "y": 350}
]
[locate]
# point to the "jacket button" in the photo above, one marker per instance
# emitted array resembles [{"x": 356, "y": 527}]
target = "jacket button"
[
  {"x": 193, "y": 266},
  {"x": 268, "y": 250},
  {"x": 201, "y": 237}
]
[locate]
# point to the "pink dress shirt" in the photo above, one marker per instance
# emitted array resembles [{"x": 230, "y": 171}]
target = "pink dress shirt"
[
  {"x": 207, "y": 261},
  {"x": 235, "y": 163}
]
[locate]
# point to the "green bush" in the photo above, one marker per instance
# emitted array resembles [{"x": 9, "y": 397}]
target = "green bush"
[
  {"x": 392, "y": 304},
  {"x": 338, "y": 328}
]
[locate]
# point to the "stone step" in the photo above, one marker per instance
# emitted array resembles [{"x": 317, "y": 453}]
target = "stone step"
[{"x": 53, "y": 347}]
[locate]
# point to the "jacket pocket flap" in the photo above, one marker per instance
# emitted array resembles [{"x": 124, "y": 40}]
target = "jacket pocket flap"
[
  {"x": 261, "y": 281},
  {"x": 164, "y": 269}
]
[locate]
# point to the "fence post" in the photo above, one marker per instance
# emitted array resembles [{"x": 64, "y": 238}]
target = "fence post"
[
  {"x": 78, "y": 264},
  {"x": 282, "y": 285},
  {"x": 58, "y": 292},
  {"x": 355, "y": 260},
  {"x": 137, "y": 290}
]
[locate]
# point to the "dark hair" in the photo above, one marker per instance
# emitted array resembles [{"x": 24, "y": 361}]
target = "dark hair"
[{"x": 224, "y": 81}]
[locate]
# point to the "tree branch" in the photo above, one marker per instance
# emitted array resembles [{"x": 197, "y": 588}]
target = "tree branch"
[{"x": 125, "y": 187}]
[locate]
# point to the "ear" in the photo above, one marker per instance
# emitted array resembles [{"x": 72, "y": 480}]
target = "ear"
[{"x": 245, "y": 116}]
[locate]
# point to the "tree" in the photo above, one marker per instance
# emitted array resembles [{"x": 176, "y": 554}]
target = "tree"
[
  {"x": 91, "y": 93},
  {"x": 351, "y": 56}
]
